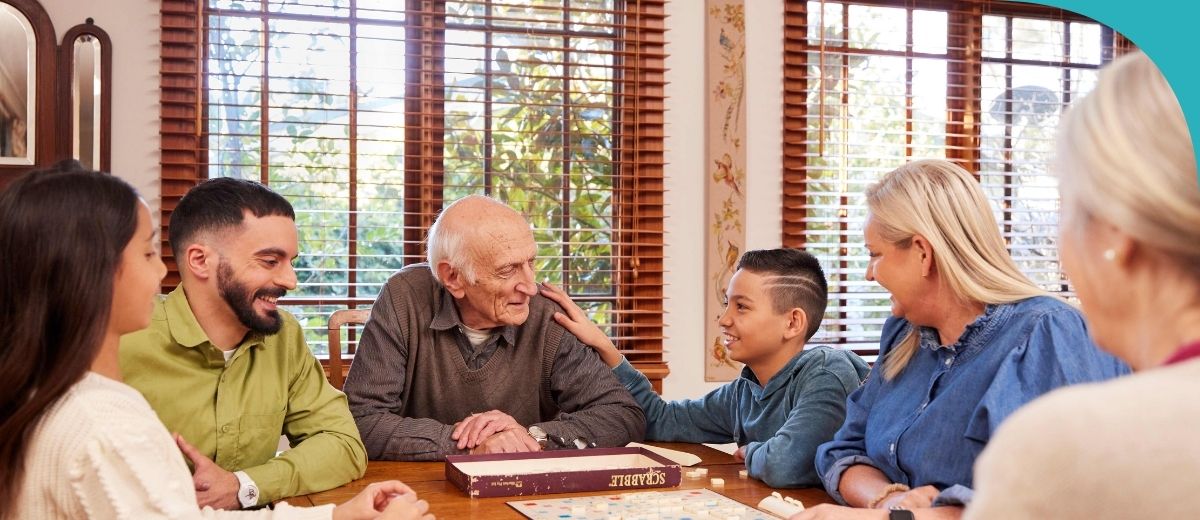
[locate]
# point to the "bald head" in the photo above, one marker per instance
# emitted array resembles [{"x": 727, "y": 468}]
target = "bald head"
[
  {"x": 471, "y": 209},
  {"x": 467, "y": 229},
  {"x": 482, "y": 252}
]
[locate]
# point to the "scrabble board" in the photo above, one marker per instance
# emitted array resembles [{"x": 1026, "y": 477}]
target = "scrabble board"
[{"x": 685, "y": 504}]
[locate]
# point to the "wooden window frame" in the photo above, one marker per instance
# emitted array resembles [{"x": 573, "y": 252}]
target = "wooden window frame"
[
  {"x": 638, "y": 192},
  {"x": 964, "y": 80}
]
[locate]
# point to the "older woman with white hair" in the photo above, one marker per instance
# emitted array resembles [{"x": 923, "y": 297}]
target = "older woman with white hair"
[
  {"x": 970, "y": 340},
  {"x": 1130, "y": 244}
]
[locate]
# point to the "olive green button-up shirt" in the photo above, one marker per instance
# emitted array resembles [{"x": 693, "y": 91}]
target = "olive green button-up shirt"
[{"x": 234, "y": 412}]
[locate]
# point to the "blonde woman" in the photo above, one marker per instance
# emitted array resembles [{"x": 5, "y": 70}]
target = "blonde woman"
[
  {"x": 1130, "y": 244},
  {"x": 970, "y": 340}
]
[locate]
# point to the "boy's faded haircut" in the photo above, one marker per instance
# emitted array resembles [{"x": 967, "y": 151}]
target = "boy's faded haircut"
[{"x": 794, "y": 279}]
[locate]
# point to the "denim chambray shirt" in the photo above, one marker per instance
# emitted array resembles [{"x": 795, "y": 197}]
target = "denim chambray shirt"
[{"x": 927, "y": 426}]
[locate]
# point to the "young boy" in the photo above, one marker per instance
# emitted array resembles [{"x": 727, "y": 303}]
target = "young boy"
[{"x": 787, "y": 401}]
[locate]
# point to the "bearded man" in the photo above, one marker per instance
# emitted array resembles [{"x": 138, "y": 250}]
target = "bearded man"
[{"x": 227, "y": 369}]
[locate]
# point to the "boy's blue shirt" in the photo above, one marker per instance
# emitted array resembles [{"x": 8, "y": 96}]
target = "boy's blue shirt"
[{"x": 779, "y": 426}]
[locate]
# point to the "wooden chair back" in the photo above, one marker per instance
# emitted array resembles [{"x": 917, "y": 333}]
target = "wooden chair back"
[{"x": 337, "y": 371}]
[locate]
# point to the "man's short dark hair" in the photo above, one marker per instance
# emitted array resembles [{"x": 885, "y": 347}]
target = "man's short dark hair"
[
  {"x": 794, "y": 279},
  {"x": 221, "y": 203}
]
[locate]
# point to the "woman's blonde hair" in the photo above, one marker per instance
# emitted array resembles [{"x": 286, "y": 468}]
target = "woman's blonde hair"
[
  {"x": 1124, "y": 153},
  {"x": 941, "y": 202}
]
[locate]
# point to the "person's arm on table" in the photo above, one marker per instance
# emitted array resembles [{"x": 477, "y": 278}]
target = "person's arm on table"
[
  {"x": 326, "y": 449},
  {"x": 123, "y": 477},
  {"x": 835, "y": 512},
  {"x": 592, "y": 404},
  {"x": 493, "y": 431},
  {"x": 374, "y": 388},
  {"x": 708, "y": 419},
  {"x": 599, "y": 411},
  {"x": 711, "y": 418},
  {"x": 850, "y": 476},
  {"x": 847, "y": 473},
  {"x": 787, "y": 458},
  {"x": 507, "y": 441}
]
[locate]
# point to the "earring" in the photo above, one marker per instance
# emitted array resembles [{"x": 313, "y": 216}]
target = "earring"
[{"x": 1110, "y": 255}]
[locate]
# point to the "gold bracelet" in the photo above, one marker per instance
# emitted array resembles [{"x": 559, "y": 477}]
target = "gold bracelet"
[{"x": 887, "y": 490}]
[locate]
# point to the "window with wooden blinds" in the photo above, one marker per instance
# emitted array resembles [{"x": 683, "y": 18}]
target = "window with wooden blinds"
[
  {"x": 371, "y": 115},
  {"x": 870, "y": 85}
]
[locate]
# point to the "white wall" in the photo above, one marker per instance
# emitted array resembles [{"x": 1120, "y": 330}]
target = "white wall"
[
  {"x": 685, "y": 181},
  {"x": 133, "y": 26},
  {"x": 686, "y": 171}
]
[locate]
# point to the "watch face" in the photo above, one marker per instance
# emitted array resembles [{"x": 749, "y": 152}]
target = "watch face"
[
  {"x": 248, "y": 494},
  {"x": 539, "y": 435},
  {"x": 900, "y": 514}
]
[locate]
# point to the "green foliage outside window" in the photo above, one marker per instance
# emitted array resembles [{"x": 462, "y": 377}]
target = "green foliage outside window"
[{"x": 529, "y": 119}]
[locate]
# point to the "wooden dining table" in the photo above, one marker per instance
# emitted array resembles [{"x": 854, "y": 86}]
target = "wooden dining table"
[{"x": 447, "y": 501}]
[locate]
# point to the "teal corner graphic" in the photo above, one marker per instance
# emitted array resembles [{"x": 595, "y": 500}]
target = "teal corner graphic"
[{"x": 1163, "y": 29}]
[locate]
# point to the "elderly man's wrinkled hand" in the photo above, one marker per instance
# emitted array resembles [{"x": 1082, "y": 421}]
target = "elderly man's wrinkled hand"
[
  {"x": 508, "y": 441},
  {"x": 474, "y": 430}
]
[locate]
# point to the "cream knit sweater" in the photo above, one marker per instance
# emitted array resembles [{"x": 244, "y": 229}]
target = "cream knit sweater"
[
  {"x": 1127, "y": 448},
  {"x": 101, "y": 453}
]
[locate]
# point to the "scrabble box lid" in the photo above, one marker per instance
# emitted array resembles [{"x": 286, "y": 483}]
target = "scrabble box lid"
[{"x": 560, "y": 471}]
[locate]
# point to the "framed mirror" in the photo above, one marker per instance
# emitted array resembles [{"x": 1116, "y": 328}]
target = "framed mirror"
[
  {"x": 27, "y": 88},
  {"x": 18, "y": 88},
  {"x": 85, "y": 82}
]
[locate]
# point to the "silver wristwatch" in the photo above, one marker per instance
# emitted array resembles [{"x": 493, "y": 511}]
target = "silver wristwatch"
[{"x": 540, "y": 436}]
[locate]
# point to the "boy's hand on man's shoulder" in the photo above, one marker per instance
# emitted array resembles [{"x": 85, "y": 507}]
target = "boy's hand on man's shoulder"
[{"x": 577, "y": 323}]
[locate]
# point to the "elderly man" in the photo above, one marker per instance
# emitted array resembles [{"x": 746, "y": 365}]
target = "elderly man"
[
  {"x": 226, "y": 368},
  {"x": 462, "y": 353}
]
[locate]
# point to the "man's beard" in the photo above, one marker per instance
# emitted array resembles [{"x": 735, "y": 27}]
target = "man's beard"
[{"x": 239, "y": 299}]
